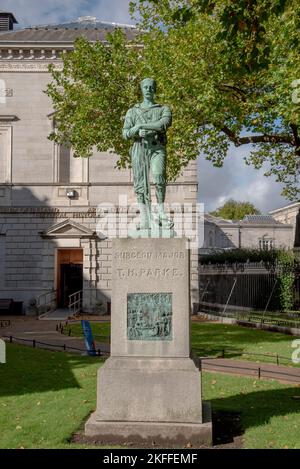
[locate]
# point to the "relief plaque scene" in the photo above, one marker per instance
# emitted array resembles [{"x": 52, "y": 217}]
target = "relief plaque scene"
[{"x": 149, "y": 316}]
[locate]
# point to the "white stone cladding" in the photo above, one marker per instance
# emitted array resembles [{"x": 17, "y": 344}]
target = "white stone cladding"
[
  {"x": 287, "y": 214},
  {"x": 226, "y": 235}
]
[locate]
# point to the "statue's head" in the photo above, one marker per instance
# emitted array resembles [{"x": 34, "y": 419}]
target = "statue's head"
[{"x": 148, "y": 87}]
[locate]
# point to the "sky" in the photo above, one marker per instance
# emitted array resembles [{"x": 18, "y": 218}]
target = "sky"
[{"x": 234, "y": 180}]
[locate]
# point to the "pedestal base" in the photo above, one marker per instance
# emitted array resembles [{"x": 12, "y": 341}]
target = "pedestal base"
[
  {"x": 148, "y": 389},
  {"x": 197, "y": 434},
  {"x": 155, "y": 399}
]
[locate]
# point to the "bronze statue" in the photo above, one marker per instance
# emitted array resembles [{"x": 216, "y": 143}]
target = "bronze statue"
[{"x": 146, "y": 124}]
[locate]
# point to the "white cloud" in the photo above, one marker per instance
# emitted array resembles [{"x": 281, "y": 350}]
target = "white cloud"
[
  {"x": 238, "y": 181},
  {"x": 34, "y": 12}
]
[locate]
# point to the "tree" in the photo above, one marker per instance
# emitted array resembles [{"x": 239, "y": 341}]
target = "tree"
[
  {"x": 234, "y": 210},
  {"x": 91, "y": 94},
  {"x": 224, "y": 87}
]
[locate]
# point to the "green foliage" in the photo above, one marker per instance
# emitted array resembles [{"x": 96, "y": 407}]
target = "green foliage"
[
  {"x": 239, "y": 60},
  {"x": 91, "y": 95},
  {"x": 225, "y": 85},
  {"x": 234, "y": 210},
  {"x": 242, "y": 22},
  {"x": 286, "y": 279},
  {"x": 242, "y": 255}
]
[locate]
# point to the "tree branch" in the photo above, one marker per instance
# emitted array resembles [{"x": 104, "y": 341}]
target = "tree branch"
[
  {"x": 295, "y": 134},
  {"x": 237, "y": 92},
  {"x": 266, "y": 138}
]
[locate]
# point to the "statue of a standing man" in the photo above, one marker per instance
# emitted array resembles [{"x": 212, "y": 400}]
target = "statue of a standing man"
[{"x": 146, "y": 124}]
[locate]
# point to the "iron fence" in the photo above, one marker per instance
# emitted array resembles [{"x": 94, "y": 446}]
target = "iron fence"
[{"x": 245, "y": 285}]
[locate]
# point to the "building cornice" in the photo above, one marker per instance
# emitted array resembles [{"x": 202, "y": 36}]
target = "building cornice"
[
  {"x": 86, "y": 184},
  {"x": 286, "y": 207},
  {"x": 28, "y": 66},
  {"x": 268, "y": 225},
  {"x": 8, "y": 118}
]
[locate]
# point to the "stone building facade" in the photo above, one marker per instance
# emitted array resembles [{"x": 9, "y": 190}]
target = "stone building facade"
[
  {"x": 49, "y": 241},
  {"x": 287, "y": 214},
  {"x": 253, "y": 232}
]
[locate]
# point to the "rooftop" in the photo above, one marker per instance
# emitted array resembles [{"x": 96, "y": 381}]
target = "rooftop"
[
  {"x": 3, "y": 12},
  {"x": 260, "y": 219},
  {"x": 88, "y": 26},
  {"x": 247, "y": 220},
  {"x": 286, "y": 207}
]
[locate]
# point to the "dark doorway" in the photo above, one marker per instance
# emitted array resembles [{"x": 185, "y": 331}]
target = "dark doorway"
[
  {"x": 69, "y": 274},
  {"x": 71, "y": 282}
]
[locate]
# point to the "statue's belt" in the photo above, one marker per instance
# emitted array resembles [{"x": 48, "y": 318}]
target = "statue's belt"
[{"x": 151, "y": 141}]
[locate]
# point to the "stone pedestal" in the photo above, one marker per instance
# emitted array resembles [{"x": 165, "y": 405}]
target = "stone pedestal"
[{"x": 150, "y": 388}]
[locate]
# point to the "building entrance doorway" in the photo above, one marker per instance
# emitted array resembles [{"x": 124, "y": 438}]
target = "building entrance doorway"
[{"x": 69, "y": 274}]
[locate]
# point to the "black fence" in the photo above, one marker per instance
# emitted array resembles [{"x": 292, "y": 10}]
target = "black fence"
[
  {"x": 46, "y": 345},
  {"x": 248, "y": 285}
]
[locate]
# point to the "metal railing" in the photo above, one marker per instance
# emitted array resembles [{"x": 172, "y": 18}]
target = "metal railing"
[
  {"x": 75, "y": 303},
  {"x": 47, "y": 302},
  {"x": 45, "y": 345}
]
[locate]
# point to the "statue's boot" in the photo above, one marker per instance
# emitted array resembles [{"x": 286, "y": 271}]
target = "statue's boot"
[
  {"x": 164, "y": 221},
  {"x": 144, "y": 217}
]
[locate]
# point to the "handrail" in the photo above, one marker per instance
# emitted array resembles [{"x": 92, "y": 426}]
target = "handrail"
[
  {"x": 48, "y": 306},
  {"x": 75, "y": 302}
]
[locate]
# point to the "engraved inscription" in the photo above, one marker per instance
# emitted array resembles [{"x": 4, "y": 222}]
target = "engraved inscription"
[
  {"x": 149, "y": 316},
  {"x": 144, "y": 255},
  {"x": 171, "y": 273}
]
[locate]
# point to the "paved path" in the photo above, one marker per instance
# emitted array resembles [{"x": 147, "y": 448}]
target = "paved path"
[
  {"x": 57, "y": 315},
  {"x": 248, "y": 368},
  {"x": 25, "y": 330}
]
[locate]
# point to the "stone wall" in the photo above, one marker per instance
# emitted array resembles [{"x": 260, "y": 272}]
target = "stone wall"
[
  {"x": 28, "y": 254},
  {"x": 237, "y": 235}
]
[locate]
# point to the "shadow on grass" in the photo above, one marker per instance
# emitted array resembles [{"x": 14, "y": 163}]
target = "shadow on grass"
[
  {"x": 30, "y": 370},
  {"x": 256, "y": 409},
  {"x": 226, "y": 427}
]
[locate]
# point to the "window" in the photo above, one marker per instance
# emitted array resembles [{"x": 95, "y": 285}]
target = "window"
[
  {"x": 5, "y": 154},
  {"x": 68, "y": 169},
  {"x": 64, "y": 160},
  {"x": 266, "y": 244}
]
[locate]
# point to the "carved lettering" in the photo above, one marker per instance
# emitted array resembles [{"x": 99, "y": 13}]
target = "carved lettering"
[
  {"x": 126, "y": 255},
  {"x": 156, "y": 273}
]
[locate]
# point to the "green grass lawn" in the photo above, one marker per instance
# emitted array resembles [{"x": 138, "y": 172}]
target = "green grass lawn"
[
  {"x": 46, "y": 396},
  {"x": 208, "y": 339},
  {"x": 101, "y": 331}
]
